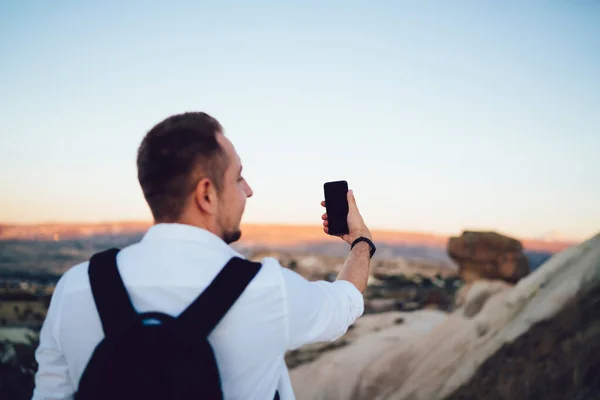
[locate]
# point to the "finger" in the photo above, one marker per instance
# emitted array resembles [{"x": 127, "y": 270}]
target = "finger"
[
  {"x": 326, "y": 229},
  {"x": 352, "y": 201},
  {"x": 323, "y": 203},
  {"x": 324, "y": 216},
  {"x": 325, "y": 223}
]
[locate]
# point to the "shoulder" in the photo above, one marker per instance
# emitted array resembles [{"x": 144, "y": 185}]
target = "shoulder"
[
  {"x": 75, "y": 278},
  {"x": 270, "y": 275},
  {"x": 271, "y": 265}
]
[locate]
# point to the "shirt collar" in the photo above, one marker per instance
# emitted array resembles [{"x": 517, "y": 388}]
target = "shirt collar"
[{"x": 176, "y": 231}]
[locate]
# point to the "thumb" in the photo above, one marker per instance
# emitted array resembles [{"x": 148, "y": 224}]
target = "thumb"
[{"x": 351, "y": 201}]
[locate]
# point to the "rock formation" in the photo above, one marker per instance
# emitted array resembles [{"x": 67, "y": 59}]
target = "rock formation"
[
  {"x": 476, "y": 294},
  {"x": 336, "y": 373},
  {"x": 538, "y": 340},
  {"x": 488, "y": 255}
]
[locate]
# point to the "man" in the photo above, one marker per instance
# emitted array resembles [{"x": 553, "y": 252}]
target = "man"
[{"x": 191, "y": 177}]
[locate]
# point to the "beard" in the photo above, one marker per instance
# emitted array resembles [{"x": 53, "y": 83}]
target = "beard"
[
  {"x": 230, "y": 226},
  {"x": 232, "y": 236}
]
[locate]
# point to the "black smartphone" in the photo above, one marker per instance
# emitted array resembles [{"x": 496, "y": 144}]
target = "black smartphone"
[{"x": 336, "y": 205}]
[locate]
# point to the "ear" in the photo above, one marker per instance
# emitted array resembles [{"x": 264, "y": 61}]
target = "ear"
[{"x": 206, "y": 196}]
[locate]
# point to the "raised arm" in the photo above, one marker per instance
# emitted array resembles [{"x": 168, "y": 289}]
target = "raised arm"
[
  {"x": 357, "y": 267},
  {"x": 319, "y": 311},
  {"x": 323, "y": 311}
]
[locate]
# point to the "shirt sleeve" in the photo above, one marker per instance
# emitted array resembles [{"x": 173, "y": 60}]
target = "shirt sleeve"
[
  {"x": 52, "y": 379},
  {"x": 319, "y": 311}
]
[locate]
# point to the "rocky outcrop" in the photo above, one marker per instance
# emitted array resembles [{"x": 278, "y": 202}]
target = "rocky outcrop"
[
  {"x": 336, "y": 373},
  {"x": 472, "y": 297},
  {"x": 538, "y": 340},
  {"x": 488, "y": 255}
]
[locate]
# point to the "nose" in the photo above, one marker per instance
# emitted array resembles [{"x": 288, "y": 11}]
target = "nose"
[{"x": 249, "y": 191}]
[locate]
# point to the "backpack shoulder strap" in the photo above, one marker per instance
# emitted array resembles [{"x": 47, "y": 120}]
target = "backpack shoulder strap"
[
  {"x": 212, "y": 304},
  {"x": 110, "y": 295}
]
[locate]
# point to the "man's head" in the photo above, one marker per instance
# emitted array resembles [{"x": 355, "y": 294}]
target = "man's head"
[{"x": 190, "y": 173}]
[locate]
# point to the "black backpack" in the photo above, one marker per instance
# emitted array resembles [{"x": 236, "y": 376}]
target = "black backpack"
[{"x": 170, "y": 358}]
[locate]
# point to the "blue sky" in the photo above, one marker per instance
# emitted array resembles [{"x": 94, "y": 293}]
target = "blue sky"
[{"x": 442, "y": 116}]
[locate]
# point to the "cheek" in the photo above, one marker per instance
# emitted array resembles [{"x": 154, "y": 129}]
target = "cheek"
[{"x": 236, "y": 197}]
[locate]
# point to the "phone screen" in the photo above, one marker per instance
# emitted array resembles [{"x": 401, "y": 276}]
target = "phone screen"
[{"x": 336, "y": 204}]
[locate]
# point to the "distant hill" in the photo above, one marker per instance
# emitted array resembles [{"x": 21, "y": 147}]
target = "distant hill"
[
  {"x": 46, "y": 251},
  {"x": 61, "y": 231},
  {"x": 255, "y": 234}
]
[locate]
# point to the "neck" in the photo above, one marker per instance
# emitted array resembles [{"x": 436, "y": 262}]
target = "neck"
[{"x": 199, "y": 221}]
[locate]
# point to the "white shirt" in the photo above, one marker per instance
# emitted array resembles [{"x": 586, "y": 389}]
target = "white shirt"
[{"x": 173, "y": 263}]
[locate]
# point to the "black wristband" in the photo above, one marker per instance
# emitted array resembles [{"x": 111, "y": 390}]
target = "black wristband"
[{"x": 364, "y": 239}]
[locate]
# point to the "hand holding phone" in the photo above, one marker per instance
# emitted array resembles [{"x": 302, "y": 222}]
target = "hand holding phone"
[
  {"x": 336, "y": 204},
  {"x": 342, "y": 217}
]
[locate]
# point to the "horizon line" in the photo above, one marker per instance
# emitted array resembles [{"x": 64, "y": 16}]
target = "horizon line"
[{"x": 293, "y": 224}]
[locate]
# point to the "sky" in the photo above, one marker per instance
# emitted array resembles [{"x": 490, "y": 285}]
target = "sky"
[{"x": 441, "y": 115}]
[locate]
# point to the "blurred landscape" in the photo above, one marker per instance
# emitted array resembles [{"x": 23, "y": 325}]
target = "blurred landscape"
[
  {"x": 43, "y": 252},
  {"x": 476, "y": 119},
  {"x": 412, "y": 273}
]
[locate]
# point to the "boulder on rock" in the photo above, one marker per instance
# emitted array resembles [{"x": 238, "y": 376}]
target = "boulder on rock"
[
  {"x": 488, "y": 255},
  {"x": 538, "y": 340}
]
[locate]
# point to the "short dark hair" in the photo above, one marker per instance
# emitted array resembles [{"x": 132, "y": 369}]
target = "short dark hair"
[{"x": 173, "y": 156}]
